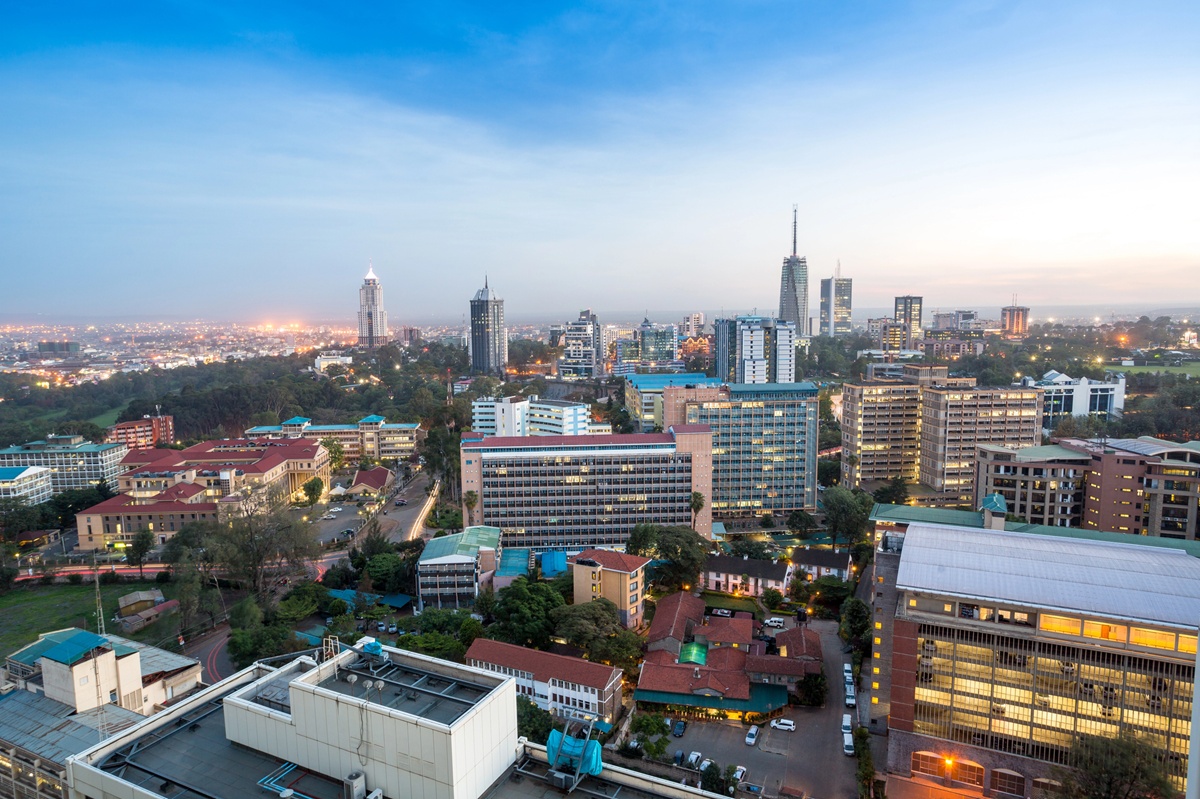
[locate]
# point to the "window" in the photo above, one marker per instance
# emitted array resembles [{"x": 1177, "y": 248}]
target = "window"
[
  {"x": 878, "y": 625},
  {"x": 1063, "y": 625},
  {"x": 1008, "y": 782},
  {"x": 927, "y": 763},
  {"x": 1157, "y": 639},
  {"x": 1187, "y": 643},
  {"x": 1107, "y": 632}
]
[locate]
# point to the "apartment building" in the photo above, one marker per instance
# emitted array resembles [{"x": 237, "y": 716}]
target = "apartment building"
[
  {"x": 1066, "y": 396},
  {"x": 149, "y": 431},
  {"x": 746, "y": 575},
  {"x": 371, "y": 438},
  {"x": 1042, "y": 485},
  {"x": 764, "y": 443},
  {"x": 616, "y": 576},
  {"x": 452, "y": 568},
  {"x": 73, "y": 462},
  {"x": 562, "y": 685},
  {"x": 881, "y": 431},
  {"x": 583, "y": 350},
  {"x": 574, "y": 492},
  {"x": 994, "y": 650},
  {"x": 644, "y": 395},
  {"x": 32, "y": 484}
]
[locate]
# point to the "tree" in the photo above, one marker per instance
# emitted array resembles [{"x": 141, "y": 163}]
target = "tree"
[
  {"x": 141, "y": 545},
  {"x": 622, "y": 651},
  {"x": 485, "y": 603},
  {"x": 523, "y": 613},
  {"x": 313, "y": 488},
  {"x": 801, "y": 522},
  {"x": 581, "y": 625},
  {"x": 438, "y": 645},
  {"x": 771, "y": 598},
  {"x": 811, "y": 689},
  {"x": 829, "y": 473},
  {"x": 894, "y": 493},
  {"x": 846, "y": 514},
  {"x": 745, "y": 547},
  {"x": 259, "y": 539},
  {"x": 696, "y": 504},
  {"x": 470, "y": 501},
  {"x": 1127, "y": 767},
  {"x": 653, "y": 732},
  {"x": 337, "y": 453},
  {"x": 855, "y": 625},
  {"x": 711, "y": 779},
  {"x": 533, "y": 722},
  {"x": 643, "y": 541},
  {"x": 295, "y": 608},
  {"x": 245, "y": 614},
  {"x": 684, "y": 552}
]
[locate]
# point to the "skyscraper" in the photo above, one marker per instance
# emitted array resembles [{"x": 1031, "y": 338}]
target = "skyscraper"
[
  {"x": 793, "y": 287},
  {"x": 372, "y": 319},
  {"x": 1015, "y": 319},
  {"x": 908, "y": 311},
  {"x": 489, "y": 334},
  {"x": 835, "y": 305},
  {"x": 755, "y": 349}
]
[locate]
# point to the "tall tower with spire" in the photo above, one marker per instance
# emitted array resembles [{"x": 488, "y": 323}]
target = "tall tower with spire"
[
  {"x": 793, "y": 286},
  {"x": 488, "y": 341},
  {"x": 372, "y": 318}
]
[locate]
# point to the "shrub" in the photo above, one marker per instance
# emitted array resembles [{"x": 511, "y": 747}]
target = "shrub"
[
  {"x": 163, "y": 576},
  {"x": 75, "y": 578}
]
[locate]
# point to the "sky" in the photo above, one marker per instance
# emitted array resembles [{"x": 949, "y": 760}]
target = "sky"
[{"x": 247, "y": 161}]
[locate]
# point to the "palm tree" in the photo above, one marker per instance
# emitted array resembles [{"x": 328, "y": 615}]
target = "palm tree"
[
  {"x": 696, "y": 504},
  {"x": 470, "y": 500}
]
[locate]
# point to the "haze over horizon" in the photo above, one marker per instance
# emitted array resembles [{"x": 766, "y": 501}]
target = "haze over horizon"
[{"x": 247, "y": 163}]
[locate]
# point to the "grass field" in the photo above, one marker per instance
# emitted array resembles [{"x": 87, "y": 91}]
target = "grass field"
[
  {"x": 25, "y": 612},
  {"x": 1191, "y": 368},
  {"x": 109, "y": 418},
  {"x": 715, "y": 600}
]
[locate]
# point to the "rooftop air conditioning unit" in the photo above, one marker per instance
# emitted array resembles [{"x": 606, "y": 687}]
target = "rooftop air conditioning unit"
[
  {"x": 559, "y": 780},
  {"x": 354, "y": 786}
]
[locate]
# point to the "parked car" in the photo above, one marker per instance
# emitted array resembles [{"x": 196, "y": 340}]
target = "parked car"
[
  {"x": 704, "y": 766},
  {"x": 847, "y": 723},
  {"x": 723, "y": 612},
  {"x": 392, "y": 628},
  {"x": 680, "y": 728},
  {"x": 752, "y": 736},
  {"x": 381, "y": 626},
  {"x": 679, "y": 757},
  {"x": 786, "y": 725},
  {"x": 847, "y": 744},
  {"x": 848, "y": 672},
  {"x": 400, "y": 503},
  {"x": 694, "y": 759},
  {"x": 775, "y": 622},
  {"x": 851, "y": 700},
  {"x": 739, "y": 775},
  {"x": 338, "y": 509}
]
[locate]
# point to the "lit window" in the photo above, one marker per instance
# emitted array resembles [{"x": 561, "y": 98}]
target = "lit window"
[
  {"x": 874, "y": 700},
  {"x": 1108, "y": 632},
  {"x": 878, "y": 625}
]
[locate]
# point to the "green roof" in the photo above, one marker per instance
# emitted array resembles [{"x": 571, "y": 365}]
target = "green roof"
[
  {"x": 694, "y": 653},
  {"x": 912, "y": 514},
  {"x": 763, "y": 699},
  {"x": 61, "y": 646},
  {"x": 1050, "y": 452},
  {"x": 513, "y": 563},
  {"x": 467, "y": 543},
  {"x": 995, "y": 503}
]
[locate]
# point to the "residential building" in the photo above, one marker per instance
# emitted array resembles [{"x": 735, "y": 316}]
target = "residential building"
[
  {"x": 583, "y": 350},
  {"x": 895, "y": 336},
  {"x": 565, "y": 686},
  {"x": 451, "y": 568},
  {"x": 371, "y": 438},
  {"x": 949, "y": 349},
  {"x": 144, "y": 433},
  {"x": 644, "y": 395},
  {"x": 615, "y": 576},
  {"x": 755, "y": 349},
  {"x": 745, "y": 575},
  {"x": 764, "y": 454},
  {"x": 372, "y": 318},
  {"x": 489, "y": 334},
  {"x": 1080, "y": 397},
  {"x": 994, "y": 650},
  {"x": 72, "y": 461},
  {"x": 1015, "y": 319},
  {"x": 573, "y": 492},
  {"x": 532, "y": 416},
  {"x": 33, "y": 484},
  {"x": 836, "y": 305},
  {"x": 793, "y": 287},
  {"x": 693, "y": 325},
  {"x": 1042, "y": 485},
  {"x": 373, "y": 482},
  {"x": 814, "y": 564}
]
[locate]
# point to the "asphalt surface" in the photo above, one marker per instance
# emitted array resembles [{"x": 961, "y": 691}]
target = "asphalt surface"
[{"x": 213, "y": 653}]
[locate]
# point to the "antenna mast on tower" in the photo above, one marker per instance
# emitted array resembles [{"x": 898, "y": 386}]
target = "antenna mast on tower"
[{"x": 794, "y": 224}]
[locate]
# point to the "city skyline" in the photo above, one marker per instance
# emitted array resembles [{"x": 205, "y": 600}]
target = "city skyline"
[{"x": 638, "y": 153}]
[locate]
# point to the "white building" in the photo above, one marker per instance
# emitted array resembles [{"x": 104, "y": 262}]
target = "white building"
[
  {"x": 583, "y": 349},
  {"x": 531, "y": 416},
  {"x": 326, "y": 360},
  {"x": 30, "y": 483},
  {"x": 500, "y": 416},
  {"x": 1067, "y": 396},
  {"x": 372, "y": 318},
  {"x": 73, "y": 462},
  {"x": 755, "y": 349}
]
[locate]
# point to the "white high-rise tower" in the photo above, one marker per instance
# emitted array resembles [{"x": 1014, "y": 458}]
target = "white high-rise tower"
[{"x": 372, "y": 318}]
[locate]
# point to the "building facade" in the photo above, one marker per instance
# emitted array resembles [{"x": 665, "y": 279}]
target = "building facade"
[
  {"x": 1042, "y": 485},
  {"x": 31, "y": 484},
  {"x": 745, "y": 575},
  {"x": 532, "y": 416},
  {"x": 371, "y": 438},
  {"x": 574, "y": 492},
  {"x": 616, "y": 576},
  {"x": 489, "y": 333},
  {"x": 144, "y": 433},
  {"x": 372, "y": 318},
  {"x": 644, "y": 395},
  {"x": 755, "y": 349},
  {"x": 583, "y": 349},
  {"x": 793, "y": 287},
  {"x": 836, "y": 306},
  {"x": 73, "y": 462},
  {"x": 1015, "y": 320},
  {"x": 1079, "y": 397},
  {"x": 451, "y": 568},
  {"x": 909, "y": 311}
]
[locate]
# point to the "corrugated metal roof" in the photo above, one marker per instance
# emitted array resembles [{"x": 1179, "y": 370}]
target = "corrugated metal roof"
[
  {"x": 52, "y": 730},
  {"x": 29, "y": 655},
  {"x": 466, "y": 543},
  {"x": 513, "y": 563},
  {"x": 153, "y": 660},
  {"x": 1100, "y": 578}
]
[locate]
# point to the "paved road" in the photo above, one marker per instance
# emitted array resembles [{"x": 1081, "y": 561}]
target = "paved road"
[
  {"x": 213, "y": 653},
  {"x": 396, "y": 525}
]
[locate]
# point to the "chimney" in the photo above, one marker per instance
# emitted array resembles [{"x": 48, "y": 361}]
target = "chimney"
[{"x": 696, "y": 673}]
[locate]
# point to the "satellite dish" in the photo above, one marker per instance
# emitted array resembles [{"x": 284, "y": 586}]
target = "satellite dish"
[{"x": 353, "y": 678}]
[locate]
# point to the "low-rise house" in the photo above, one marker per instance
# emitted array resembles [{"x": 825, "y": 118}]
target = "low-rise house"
[
  {"x": 560, "y": 684},
  {"x": 818, "y": 563},
  {"x": 674, "y": 618},
  {"x": 745, "y": 575},
  {"x": 615, "y": 576},
  {"x": 371, "y": 482}
]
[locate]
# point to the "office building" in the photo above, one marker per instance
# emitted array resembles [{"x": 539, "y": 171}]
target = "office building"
[
  {"x": 583, "y": 349},
  {"x": 693, "y": 325},
  {"x": 659, "y": 344},
  {"x": 908, "y": 310},
  {"x": 144, "y": 433},
  {"x": 616, "y": 576},
  {"x": 926, "y": 425},
  {"x": 894, "y": 336},
  {"x": 488, "y": 341},
  {"x": 451, "y": 568},
  {"x": 372, "y": 318},
  {"x": 836, "y": 305},
  {"x": 994, "y": 649},
  {"x": 72, "y": 461},
  {"x": 58, "y": 348},
  {"x": 532, "y": 416},
  {"x": 1015, "y": 320},
  {"x": 500, "y": 416},
  {"x": 371, "y": 438},
  {"x": 1080, "y": 397},
  {"x": 30, "y": 484},
  {"x": 568, "y": 687},
  {"x": 575, "y": 492},
  {"x": 755, "y": 349},
  {"x": 793, "y": 287},
  {"x": 644, "y": 395}
]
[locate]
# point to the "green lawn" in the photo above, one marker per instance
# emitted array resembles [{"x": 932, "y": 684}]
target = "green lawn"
[
  {"x": 109, "y": 418},
  {"x": 25, "y": 612},
  {"x": 1190, "y": 368},
  {"x": 715, "y": 600}
]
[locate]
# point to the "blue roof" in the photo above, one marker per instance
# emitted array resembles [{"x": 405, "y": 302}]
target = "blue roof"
[
  {"x": 61, "y": 646},
  {"x": 661, "y": 381},
  {"x": 375, "y": 419},
  {"x": 553, "y": 563},
  {"x": 513, "y": 563},
  {"x": 265, "y": 428},
  {"x": 396, "y": 601},
  {"x": 13, "y": 472},
  {"x": 772, "y": 388},
  {"x": 298, "y": 420},
  {"x": 401, "y": 425}
]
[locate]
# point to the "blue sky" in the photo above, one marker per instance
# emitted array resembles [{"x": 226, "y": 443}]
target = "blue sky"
[{"x": 246, "y": 160}]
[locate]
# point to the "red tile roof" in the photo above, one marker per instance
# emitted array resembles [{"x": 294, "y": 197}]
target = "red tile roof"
[
  {"x": 181, "y": 491},
  {"x": 375, "y": 478},
  {"x": 725, "y": 676},
  {"x": 543, "y": 665},
  {"x": 538, "y": 442},
  {"x": 799, "y": 642},
  {"x": 773, "y": 664},
  {"x": 612, "y": 560},
  {"x": 727, "y": 631},
  {"x": 673, "y": 614}
]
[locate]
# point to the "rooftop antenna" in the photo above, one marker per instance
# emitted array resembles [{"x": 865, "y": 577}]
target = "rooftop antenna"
[
  {"x": 837, "y": 273},
  {"x": 794, "y": 218},
  {"x": 101, "y": 714}
]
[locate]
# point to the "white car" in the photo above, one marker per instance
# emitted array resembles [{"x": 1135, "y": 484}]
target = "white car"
[
  {"x": 739, "y": 775},
  {"x": 704, "y": 766},
  {"x": 775, "y": 622},
  {"x": 847, "y": 744},
  {"x": 752, "y": 736},
  {"x": 335, "y": 510},
  {"x": 783, "y": 724},
  {"x": 693, "y": 760}
]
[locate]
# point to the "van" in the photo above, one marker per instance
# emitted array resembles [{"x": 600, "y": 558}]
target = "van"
[
  {"x": 847, "y": 744},
  {"x": 775, "y": 622},
  {"x": 850, "y": 702},
  {"x": 848, "y": 672},
  {"x": 847, "y": 724}
]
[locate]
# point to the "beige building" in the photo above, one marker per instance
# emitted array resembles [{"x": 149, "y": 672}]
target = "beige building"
[
  {"x": 615, "y": 576},
  {"x": 372, "y": 437}
]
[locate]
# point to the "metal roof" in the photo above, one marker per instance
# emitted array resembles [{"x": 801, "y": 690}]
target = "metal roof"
[
  {"x": 466, "y": 544},
  {"x": 513, "y": 563},
  {"x": 53, "y": 730},
  {"x": 661, "y": 381},
  {"x": 1099, "y": 578},
  {"x": 153, "y": 660},
  {"x": 911, "y": 514},
  {"x": 13, "y": 472},
  {"x": 61, "y": 646}
]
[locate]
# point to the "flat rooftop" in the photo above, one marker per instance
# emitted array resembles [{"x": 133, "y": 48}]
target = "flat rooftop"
[{"x": 405, "y": 687}]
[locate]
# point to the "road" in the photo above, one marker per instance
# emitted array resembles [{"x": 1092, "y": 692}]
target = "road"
[
  {"x": 396, "y": 523},
  {"x": 213, "y": 653}
]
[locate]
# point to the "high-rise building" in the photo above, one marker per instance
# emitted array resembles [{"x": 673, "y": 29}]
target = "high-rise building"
[
  {"x": 755, "y": 349},
  {"x": 659, "y": 343},
  {"x": 693, "y": 325},
  {"x": 793, "y": 287},
  {"x": 583, "y": 349},
  {"x": 836, "y": 305},
  {"x": 372, "y": 318},
  {"x": 1015, "y": 319},
  {"x": 489, "y": 334},
  {"x": 908, "y": 310}
]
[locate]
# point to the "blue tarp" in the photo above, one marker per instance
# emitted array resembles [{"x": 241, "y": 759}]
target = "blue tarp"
[
  {"x": 553, "y": 563},
  {"x": 574, "y": 750}
]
